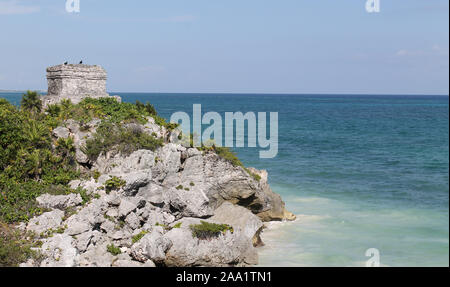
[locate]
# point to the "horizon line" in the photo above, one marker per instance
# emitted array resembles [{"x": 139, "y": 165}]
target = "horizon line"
[
  {"x": 282, "y": 94},
  {"x": 253, "y": 93}
]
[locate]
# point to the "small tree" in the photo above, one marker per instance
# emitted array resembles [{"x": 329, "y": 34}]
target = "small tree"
[{"x": 31, "y": 101}]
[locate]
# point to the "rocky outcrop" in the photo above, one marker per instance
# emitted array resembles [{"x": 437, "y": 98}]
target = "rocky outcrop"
[
  {"x": 45, "y": 222},
  {"x": 241, "y": 219},
  {"x": 229, "y": 249},
  {"x": 61, "y": 202},
  {"x": 146, "y": 220}
]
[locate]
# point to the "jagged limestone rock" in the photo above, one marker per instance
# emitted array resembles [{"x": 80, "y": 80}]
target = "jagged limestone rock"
[
  {"x": 126, "y": 207},
  {"x": 61, "y": 132},
  {"x": 59, "y": 252},
  {"x": 59, "y": 201},
  {"x": 88, "y": 218},
  {"x": 152, "y": 246},
  {"x": 189, "y": 203},
  {"x": 229, "y": 249},
  {"x": 96, "y": 256},
  {"x": 46, "y": 221},
  {"x": 240, "y": 218}
]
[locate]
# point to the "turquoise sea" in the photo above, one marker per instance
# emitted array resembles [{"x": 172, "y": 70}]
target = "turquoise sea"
[{"x": 359, "y": 172}]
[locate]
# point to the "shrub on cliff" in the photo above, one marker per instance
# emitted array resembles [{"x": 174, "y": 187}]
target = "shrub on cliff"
[
  {"x": 146, "y": 108},
  {"x": 30, "y": 161},
  {"x": 106, "y": 109},
  {"x": 11, "y": 136},
  {"x": 115, "y": 137},
  {"x": 230, "y": 156},
  {"x": 114, "y": 183},
  {"x": 114, "y": 250},
  {"x": 206, "y": 230},
  {"x": 31, "y": 101},
  {"x": 14, "y": 249}
]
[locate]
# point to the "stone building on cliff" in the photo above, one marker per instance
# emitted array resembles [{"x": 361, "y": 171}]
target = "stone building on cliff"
[{"x": 75, "y": 82}]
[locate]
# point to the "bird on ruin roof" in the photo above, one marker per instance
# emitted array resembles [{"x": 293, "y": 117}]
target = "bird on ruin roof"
[
  {"x": 65, "y": 63},
  {"x": 81, "y": 62}
]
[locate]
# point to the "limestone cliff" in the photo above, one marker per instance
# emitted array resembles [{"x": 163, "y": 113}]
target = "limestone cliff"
[{"x": 147, "y": 219}]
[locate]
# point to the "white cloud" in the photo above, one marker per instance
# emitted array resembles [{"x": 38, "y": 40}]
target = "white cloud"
[
  {"x": 13, "y": 7},
  {"x": 435, "y": 50},
  {"x": 404, "y": 53}
]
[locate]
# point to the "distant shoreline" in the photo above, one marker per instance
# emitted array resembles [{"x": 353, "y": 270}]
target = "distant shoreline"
[
  {"x": 18, "y": 91},
  {"x": 250, "y": 94}
]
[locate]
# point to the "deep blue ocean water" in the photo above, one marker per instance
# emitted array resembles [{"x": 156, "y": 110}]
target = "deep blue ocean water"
[{"x": 360, "y": 172}]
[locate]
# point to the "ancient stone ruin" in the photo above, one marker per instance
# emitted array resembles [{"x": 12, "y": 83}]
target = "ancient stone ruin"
[{"x": 75, "y": 82}]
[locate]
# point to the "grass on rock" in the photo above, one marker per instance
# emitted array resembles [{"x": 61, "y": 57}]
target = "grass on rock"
[{"x": 206, "y": 230}]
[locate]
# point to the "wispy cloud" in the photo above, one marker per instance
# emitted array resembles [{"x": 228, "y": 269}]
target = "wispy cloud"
[
  {"x": 436, "y": 50},
  {"x": 405, "y": 53},
  {"x": 14, "y": 7}
]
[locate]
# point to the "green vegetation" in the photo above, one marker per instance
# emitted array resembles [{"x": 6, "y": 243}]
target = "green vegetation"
[
  {"x": 206, "y": 230},
  {"x": 114, "y": 250},
  {"x": 96, "y": 175},
  {"x": 14, "y": 248},
  {"x": 124, "y": 139},
  {"x": 139, "y": 236},
  {"x": 69, "y": 212},
  {"x": 84, "y": 196},
  {"x": 50, "y": 232},
  {"x": 31, "y": 102},
  {"x": 120, "y": 224},
  {"x": 180, "y": 187},
  {"x": 146, "y": 108},
  {"x": 110, "y": 218},
  {"x": 114, "y": 183},
  {"x": 230, "y": 156},
  {"x": 33, "y": 163},
  {"x": 255, "y": 176},
  {"x": 167, "y": 227},
  {"x": 103, "y": 108}
]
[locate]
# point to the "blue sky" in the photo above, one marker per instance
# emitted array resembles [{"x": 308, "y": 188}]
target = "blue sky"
[{"x": 249, "y": 46}]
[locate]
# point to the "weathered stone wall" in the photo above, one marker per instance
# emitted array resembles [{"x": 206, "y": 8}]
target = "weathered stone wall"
[{"x": 75, "y": 82}]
